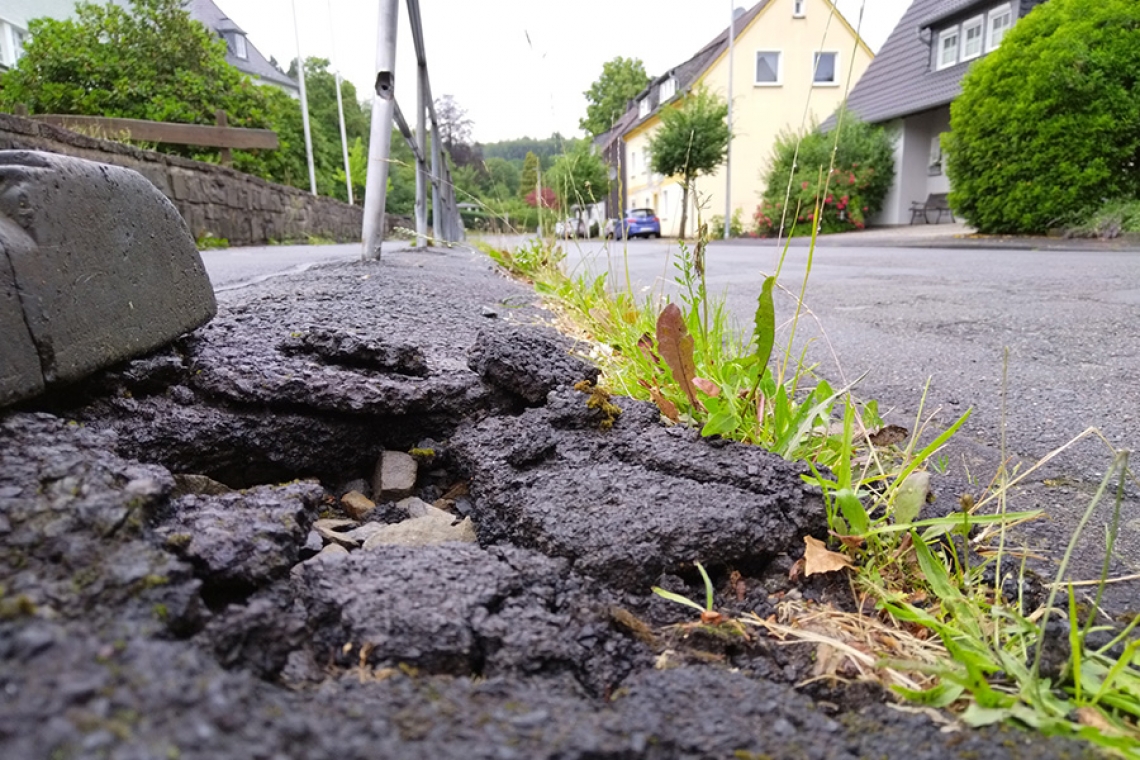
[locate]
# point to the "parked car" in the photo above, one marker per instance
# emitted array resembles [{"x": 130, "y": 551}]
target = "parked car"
[
  {"x": 637, "y": 222},
  {"x": 570, "y": 228}
]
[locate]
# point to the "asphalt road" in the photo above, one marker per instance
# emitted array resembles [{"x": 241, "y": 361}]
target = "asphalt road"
[
  {"x": 231, "y": 268},
  {"x": 903, "y": 316}
]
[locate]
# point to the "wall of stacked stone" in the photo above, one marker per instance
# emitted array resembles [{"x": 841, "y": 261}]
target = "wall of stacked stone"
[{"x": 213, "y": 200}]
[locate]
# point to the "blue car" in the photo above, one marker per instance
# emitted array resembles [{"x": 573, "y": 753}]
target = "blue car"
[{"x": 638, "y": 222}]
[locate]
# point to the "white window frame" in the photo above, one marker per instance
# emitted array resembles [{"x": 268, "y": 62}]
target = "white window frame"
[
  {"x": 814, "y": 68},
  {"x": 779, "y": 68},
  {"x": 666, "y": 90},
  {"x": 939, "y": 61},
  {"x": 643, "y": 107},
  {"x": 241, "y": 50},
  {"x": 934, "y": 164},
  {"x": 978, "y": 23},
  {"x": 799, "y": 8},
  {"x": 633, "y": 157},
  {"x": 996, "y": 13}
]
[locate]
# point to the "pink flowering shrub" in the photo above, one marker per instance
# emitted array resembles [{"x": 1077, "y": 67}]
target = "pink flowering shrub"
[{"x": 855, "y": 189}]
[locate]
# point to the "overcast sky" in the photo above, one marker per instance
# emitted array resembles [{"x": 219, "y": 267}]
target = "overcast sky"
[{"x": 519, "y": 67}]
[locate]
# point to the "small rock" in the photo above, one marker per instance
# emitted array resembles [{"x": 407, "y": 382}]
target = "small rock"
[
  {"x": 364, "y": 532},
  {"x": 360, "y": 485},
  {"x": 489, "y": 313},
  {"x": 395, "y": 476},
  {"x": 357, "y": 505},
  {"x": 415, "y": 507},
  {"x": 433, "y": 528},
  {"x": 313, "y": 543},
  {"x": 332, "y": 549},
  {"x": 334, "y": 530}
]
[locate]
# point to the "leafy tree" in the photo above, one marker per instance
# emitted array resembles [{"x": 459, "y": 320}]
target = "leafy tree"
[
  {"x": 152, "y": 62},
  {"x": 692, "y": 140},
  {"x": 455, "y": 130},
  {"x": 856, "y": 189},
  {"x": 529, "y": 179},
  {"x": 580, "y": 177},
  {"x": 621, "y": 80},
  {"x": 504, "y": 178},
  {"x": 516, "y": 150},
  {"x": 1048, "y": 125}
]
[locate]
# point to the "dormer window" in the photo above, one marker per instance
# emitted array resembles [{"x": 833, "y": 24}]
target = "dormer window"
[
  {"x": 947, "y": 48},
  {"x": 1000, "y": 20},
  {"x": 798, "y": 10},
  {"x": 972, "y": 33},
  {"x": 643, "y": 107},
  {"x": 239, "y": 46},
  {"x": 667, "y": 90}
]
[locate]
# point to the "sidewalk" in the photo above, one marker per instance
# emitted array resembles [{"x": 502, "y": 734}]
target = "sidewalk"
[{"x": 956, "y": 235}]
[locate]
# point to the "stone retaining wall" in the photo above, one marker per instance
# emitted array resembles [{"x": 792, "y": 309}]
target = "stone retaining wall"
[{"x": 212, "y": 199}]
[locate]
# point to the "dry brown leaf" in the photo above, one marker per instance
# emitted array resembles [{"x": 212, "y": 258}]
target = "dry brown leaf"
[
  {"x": 851, "y": 542},
  {"x": 1090, "y": 716},
  {"x": 667, "y": 407},
  {"x": 676, "y": 347},
  {"x": 706, "y": 386},
  {"x": 818, "y": 559},
  {"x": 889, "y": 435}
]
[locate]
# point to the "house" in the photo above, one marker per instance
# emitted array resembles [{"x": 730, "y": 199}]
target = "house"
[
  {"x": 911, "y": 83},
  {"x": 14, "y": 18},
  {"x": 240, "y": 52},
  {"x": 790, "y": 62}
]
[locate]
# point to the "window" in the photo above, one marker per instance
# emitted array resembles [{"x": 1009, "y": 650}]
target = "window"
[
  {"x": 972, "y": 38},
  {"x": 798, "y": 8},
  {"x": 934, "y": 168},
  {"x": 1000, "y": 20},
  {"x": 768, "y": 67},
  {"x": 667, "y": 90},
  {"x": 634, "y": 160},
  {"x": 826, "y": 68},
  {"x": 643, "y": 107},
  {"x": 947, "y": 47},
  {"x": 240, "y": 49}
]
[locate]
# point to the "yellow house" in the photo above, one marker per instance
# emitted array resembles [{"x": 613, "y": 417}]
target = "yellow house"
[{"x": 792, "y": 60}]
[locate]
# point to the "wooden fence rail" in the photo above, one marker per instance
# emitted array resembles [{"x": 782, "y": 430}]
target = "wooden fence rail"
[{"x": 201, "y": 135}]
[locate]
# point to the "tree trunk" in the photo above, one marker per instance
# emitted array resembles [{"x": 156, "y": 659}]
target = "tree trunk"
[{"x": 684, "y": 208}]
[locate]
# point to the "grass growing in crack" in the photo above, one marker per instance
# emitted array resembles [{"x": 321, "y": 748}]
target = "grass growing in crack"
[{"x": 957, "y": 642}]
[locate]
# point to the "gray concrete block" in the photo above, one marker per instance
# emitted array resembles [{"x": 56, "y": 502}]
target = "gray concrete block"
[
  {"x": 103, "y": 267},
  {"x": 20, "y": 375}
]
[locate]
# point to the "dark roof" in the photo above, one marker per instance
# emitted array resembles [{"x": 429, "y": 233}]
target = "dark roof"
[
  {"x": 691, "y": 70},
  {"x": 255, "y": 65},
  {"x": 900, "y": 81}
]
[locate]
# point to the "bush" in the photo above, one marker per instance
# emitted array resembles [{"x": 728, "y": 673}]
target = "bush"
[
  {"x": 1047, "y": 128},
  {"x": 864, "y": 166},
  {"x": 735, "y": 227},
  {"x": 1109, "y": 221}
]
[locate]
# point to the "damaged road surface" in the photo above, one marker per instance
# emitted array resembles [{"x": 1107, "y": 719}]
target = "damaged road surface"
[{"x": 358, "y": 516}]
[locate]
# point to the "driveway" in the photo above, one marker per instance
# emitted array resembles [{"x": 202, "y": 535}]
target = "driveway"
[{"x": 905, "y": 316}]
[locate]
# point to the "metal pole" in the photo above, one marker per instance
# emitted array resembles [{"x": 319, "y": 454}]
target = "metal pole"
[
  {"x": 304, "y": 105},
  {"x": 421, "y": 167},
  {"x": 340, "y": 109},
  {"x": 437, "y": 210},
  {"x": 728, "y": 153},
  {"x": 380, "y": 136}
]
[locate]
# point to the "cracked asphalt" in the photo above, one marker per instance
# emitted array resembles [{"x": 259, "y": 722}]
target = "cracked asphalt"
[{"x": 906, "y": 316}]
